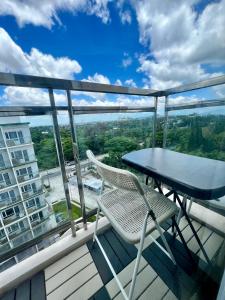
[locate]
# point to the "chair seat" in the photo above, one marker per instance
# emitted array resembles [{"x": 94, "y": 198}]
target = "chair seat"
[{"x": 127, "y": 216}]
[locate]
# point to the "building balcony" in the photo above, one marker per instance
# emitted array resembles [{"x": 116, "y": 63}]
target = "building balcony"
[
  {"x": 23, "y": 178},
  {"x": 10, "y": 201},
  {"x": 82, "y": 273},
  {"x": 3, "y": 240},
  {"x": 36, "y": 207},
  {"x": 4, "y": 247},
  {"x": 5, "y": 166},
  {"x": 2, "y": 144},
  {"x": 20, "y": 237},
  {"x": 4, "y": 184},
  {"x": 13, "y": 218},
  {"x": 18, "y": 142},
  {"x": 72, "y": 268},
  {"x": 39, "y": 221},
  {"x": 30, "y": 194},
  {"x": 20, "y": 162}
]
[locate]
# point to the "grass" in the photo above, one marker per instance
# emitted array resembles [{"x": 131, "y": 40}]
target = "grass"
[{"x": 61, "y": 207}]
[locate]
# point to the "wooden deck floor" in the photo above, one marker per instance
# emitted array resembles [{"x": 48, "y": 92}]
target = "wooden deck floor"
[{"x": 84, "y": 274}]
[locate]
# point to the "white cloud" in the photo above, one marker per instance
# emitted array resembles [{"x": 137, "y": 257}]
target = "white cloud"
[
  {"x": 45, "y": 12},
  {"x": 20, "y": 96},
  {"x": 130, "y": 82},
  {"x": 118, "y": 82},
  {"x": 180, "y": 40},
  {"x": 125, "y": 16},
  {"x": 127, "y": 60},
  {"x": 98, "y": 78},
  {"x": 14, "y": 59}
]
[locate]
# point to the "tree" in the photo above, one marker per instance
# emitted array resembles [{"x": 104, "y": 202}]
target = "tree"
[{"x": 116, "y": 148}]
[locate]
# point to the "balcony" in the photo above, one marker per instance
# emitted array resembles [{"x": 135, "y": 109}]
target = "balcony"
[
  {"x": 39, "y": 221},
  {"x": 2, "y": 144},
  {"x": 4, "y": 247},
  {"x": 20, "y": 162},
  {"x": 19, "y": 141},
  {"x": 4, "y": 184},
  {"x": 29, "y": 194},
  {"x": 71, "y": 268},
  {"x": 26, "y": 177},
  {"x": 21, "y": 237},
  {"x": 5, "y": 166},
  {"x": 13, "y": 217},
  {"x": 9, "y": 201},
  {"x": 36, "y": 207},
  {"x": 3, "y": 240}
]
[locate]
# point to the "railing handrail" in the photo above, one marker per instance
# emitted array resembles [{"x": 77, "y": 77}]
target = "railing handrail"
[{"x": 9, "y": 79}]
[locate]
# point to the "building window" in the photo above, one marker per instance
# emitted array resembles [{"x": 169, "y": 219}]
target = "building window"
[
  {"x": 30, "y": 203},
  {"x": 13, "y": 228},
  {"x": 2, "y": 163},
  {"x": 8, "y": 213},
  {"x": 2, "y": 233},
  {"x": 4, "y": 197},
  {"x": 8, "y": 196},
  {"x": 34, "y": 217},
  {"x": 26, "y": 188},
  {"x": 15, "y": 135},
  {"x": 4, "y": 177}
]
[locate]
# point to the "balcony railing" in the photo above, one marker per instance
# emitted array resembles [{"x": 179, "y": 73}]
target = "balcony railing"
[
  {"x": 29, "y": 194},
  {"x": 18, "y": 162},
  {"x": 39, "y": 221},
  {"x": 2, "y": 144},
  {"x": 13, "y": 217},
  {"x": 159, "y": 131},
  {"x": 26, "y": 177},
  {"x": 10, "y": 201},
  {"x": 5, "y": 166},
  {"x": 36, "y": 207},
  {"x": 19, "y": 141}
]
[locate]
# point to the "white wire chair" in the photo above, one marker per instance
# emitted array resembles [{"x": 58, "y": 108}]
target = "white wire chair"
[{"x": 133, "y": 212}]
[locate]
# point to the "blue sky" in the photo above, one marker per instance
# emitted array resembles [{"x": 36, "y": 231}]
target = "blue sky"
[{"x": 143, "y": 43}]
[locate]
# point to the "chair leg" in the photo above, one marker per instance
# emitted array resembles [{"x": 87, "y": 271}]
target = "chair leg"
[
  {"x": 165, "y": 242},
  {"x": 96, "y": 226},
  {"x": 138, "y": 258},
  {"x": 189, "y": 206}
]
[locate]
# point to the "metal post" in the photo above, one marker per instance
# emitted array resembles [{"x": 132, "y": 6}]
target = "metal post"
[
  {"x": 76, "y": 159},
  {"x": 61, "y": 159},
  {"x": 165, "y": 130},
  {"x": 154, "y": 129}
]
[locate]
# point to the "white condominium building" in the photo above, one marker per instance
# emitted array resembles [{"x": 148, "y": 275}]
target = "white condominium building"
[{"x": 24, "y": 212}]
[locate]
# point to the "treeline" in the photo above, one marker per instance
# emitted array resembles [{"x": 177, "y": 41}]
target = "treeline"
[
  {"x": 194, "y": 134},
  {"x": 198, "y": 135},
  {"x": 115, "y": 138}
]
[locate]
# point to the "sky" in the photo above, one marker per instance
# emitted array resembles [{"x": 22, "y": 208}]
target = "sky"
[{"x": 139, "y": 43}]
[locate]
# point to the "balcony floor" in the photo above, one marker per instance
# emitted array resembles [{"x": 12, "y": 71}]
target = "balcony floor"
[{"x": 83, "y": 273}]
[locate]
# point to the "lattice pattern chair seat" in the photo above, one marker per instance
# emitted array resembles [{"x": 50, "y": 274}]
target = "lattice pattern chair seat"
[{"x": 126, "y": 211}]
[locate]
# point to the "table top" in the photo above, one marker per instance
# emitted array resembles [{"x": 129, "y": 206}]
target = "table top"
[{"x": 195, "y": 176}]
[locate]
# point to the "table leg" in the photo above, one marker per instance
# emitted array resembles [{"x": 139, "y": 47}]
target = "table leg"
[
  {"x": 182, "y": 238},
  {"x": 192, "y": 227},
  {"x": 158, "y": 185}
]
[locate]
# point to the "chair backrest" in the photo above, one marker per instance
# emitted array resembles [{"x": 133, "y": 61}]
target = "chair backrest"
[{"x": 119, "y": 178}]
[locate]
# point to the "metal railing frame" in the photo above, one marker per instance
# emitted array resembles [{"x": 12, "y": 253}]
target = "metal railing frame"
[{"x": 52, "y": 84}]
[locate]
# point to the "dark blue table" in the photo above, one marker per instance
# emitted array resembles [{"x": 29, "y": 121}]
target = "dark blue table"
[
  {"x": 198, "y": 177},
  {"x": 194, "y": 176}
]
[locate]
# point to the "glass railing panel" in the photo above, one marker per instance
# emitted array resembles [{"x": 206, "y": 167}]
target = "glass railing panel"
[
  {"x": 109, "y": 136},
  {"x": 38, "y": 192},
  {"x": 200, "y": 131}
]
